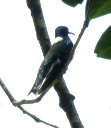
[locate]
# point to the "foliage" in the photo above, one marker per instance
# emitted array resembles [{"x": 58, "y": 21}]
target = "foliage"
[
  {"x": 72, "y": 3},
  {"x": 99, "y": 8},
  {"x": 103, "y": 47}
]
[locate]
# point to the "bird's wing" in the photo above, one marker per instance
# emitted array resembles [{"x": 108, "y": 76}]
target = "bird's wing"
[
  {"x": 51, "y": 66},
  {"x": 63, "y": 50},
  {"x": 49, "y": 61},
  {"x": 52, "y": 75}
]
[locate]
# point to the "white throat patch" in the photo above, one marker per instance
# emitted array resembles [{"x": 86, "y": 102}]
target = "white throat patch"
[{"x": 58, "y": 39}]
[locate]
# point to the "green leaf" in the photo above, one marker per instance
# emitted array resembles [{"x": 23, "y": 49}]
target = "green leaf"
[
  {"x": 72, "y": 3},
  {"x": 99, "y": 8},
  {"x": 103, "y": 47}
]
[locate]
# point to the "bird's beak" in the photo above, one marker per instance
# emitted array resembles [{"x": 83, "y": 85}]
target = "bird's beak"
[{"x": 71, "y": 33}]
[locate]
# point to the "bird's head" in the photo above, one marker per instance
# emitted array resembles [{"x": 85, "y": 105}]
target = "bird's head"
[{"x": 62, "y": 31}]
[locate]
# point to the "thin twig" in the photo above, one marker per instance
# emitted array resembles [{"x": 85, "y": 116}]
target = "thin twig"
[
  {"x": 12, "y": 99},
  {"x": 85, "y": 25},
  {"x": 35, "y": 118},
  {"x": 38, "y": 99}
]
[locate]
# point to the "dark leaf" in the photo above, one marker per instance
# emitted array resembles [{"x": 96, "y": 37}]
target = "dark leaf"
[
  {"x": 72, "y": 3},
  {"x": 103, "y": 47},
  {"x": 99, "y": 8}
]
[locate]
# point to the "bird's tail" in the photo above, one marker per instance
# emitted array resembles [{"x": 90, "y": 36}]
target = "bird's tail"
[
  {"x": 32, "y": 90},
  {"x": 35, "y": 89}
]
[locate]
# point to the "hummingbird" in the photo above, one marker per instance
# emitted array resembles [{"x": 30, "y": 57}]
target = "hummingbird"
[{"x": 54, "y": 61}]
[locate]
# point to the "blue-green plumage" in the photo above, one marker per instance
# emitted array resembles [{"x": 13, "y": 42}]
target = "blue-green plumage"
[{"x": 54, "y": 61}]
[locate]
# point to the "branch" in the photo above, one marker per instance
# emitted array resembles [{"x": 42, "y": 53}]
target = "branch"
[
  {"x": 12, "y": 99},
  {"x": 38, "y": 99},
  {"x": 40, "y": 26},
  {"x": 66, "y": 103}
]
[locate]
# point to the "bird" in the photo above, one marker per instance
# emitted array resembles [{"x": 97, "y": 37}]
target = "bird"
[{"x": 54, "y": 61}]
